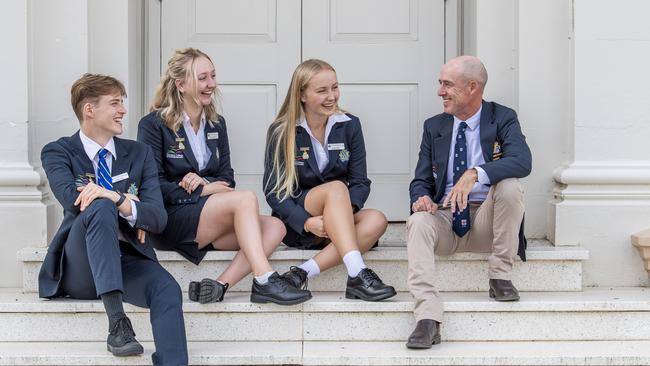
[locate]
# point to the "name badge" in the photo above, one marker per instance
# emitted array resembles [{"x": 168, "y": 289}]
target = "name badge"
[
  {"x": 339, "y": 146},
  {"x": 213, "y": 135},
  {"x": 120, "y": 177}
]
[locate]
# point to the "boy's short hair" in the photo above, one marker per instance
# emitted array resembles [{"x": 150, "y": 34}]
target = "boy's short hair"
[{"x": 90, "y": 87}]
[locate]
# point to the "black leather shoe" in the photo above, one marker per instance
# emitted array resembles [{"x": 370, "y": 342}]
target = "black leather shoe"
[
  {"x": 503, "y": 290},
  {"x": 279, "y": 291},
  {"x": 296, "y": 276},
  {"x": 368, "y": 286},
  {"x": 425, "y": 334},
  {"x": 207, "y": 291},
  {"x": 121, "y": 339}
]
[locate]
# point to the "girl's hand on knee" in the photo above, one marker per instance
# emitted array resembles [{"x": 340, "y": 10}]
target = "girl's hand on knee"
[{"x": 316, "y": 226}]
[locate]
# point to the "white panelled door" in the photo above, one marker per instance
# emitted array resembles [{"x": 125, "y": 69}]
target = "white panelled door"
[
  {"x": 387, "y": 54},
  {"x": 255, "y": 45}
]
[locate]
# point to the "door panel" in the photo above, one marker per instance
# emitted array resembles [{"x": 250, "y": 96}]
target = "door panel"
[
  {"x": 387, "y": 54},
  {"x": 255, "y": 45}
]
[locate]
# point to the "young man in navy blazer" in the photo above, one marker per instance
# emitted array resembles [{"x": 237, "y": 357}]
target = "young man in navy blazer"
[
  {"x": 110, "y": 194},
  {"x": 465, "y": 195}
]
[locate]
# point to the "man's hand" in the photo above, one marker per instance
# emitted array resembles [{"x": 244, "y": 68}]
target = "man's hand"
[
  {"x": 92, "y": 191},
  {"x": 316, "y": 226},
  {"x": 424, "y": 204},
  {"x": 459, "y": 194},
  {"x": 216, "y": 187},
  {"x": 190, "y": 182}
]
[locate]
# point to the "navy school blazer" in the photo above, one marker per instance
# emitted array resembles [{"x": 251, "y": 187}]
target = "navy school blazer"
[
  {"x": 347, "y": 163},
  {"x": 504, "y": 148},
  {"x": 66, "y": 164},
  {"x": 173, "y": 153}
]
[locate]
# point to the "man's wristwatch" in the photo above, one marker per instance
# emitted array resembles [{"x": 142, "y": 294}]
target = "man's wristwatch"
[{"x": 121, "y": 200}]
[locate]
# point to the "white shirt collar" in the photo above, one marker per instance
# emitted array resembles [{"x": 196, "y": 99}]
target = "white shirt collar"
[
  {"x": 186, "y": 121},
  {"x": 473, "y": 121},
  {"x": 334, "y": 118},
  {"x": 92, "y": 148}
]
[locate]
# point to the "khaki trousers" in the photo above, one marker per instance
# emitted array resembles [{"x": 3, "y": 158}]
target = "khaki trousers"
[{"x": 494, "y": 228}]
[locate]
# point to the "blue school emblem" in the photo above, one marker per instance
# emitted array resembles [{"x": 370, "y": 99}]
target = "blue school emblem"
[{"x": 344, "y": 155}]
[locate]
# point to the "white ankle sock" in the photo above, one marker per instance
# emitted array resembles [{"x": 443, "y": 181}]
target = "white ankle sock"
[
  {"x": 311, "y": 267},
  {"x": 353, "y": 262},
  {"x": 264, "y": 278}
]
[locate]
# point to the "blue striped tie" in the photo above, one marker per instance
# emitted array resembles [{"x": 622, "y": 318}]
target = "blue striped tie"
[
  {"x": 103, "y": 173},
  {"x": 460, "y": 223}
]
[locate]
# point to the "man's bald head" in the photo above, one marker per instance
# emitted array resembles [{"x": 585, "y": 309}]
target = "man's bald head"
[
  {"x": 462, "y": 81},
  {"x": 469, "y": 68}
]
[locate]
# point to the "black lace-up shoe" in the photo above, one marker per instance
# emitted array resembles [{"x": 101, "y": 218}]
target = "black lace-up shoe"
[
  {"x": 279, "y": 291},
  {"x": 121, "y": 339},
  {"x": 368, "y": 286},
  {"x": 207, "y": 291},
  {"x": 296, "y": 276}
]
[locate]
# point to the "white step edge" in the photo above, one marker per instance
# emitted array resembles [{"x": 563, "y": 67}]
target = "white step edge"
[
  {"x": 479, "y": 353},
  {"x": 343, "y": 353},
  {"x": 548, "y": 269},
  {"x": 538, "y": 250},
  {"x": 200, "y": 353},
  {"x": 596, "y": 314}
]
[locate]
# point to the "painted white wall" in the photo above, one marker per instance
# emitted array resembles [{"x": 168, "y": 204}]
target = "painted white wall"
[
  {"x": 20, "y": 200},
  {"x": 544, "y": 98},
  {"x": 606, "y": 192}
]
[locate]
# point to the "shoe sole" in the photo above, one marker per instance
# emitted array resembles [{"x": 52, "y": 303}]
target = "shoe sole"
[
  {"x": 126, "y": 350},
  {"x": 194, "y": 290},
  {"x": 503, "y": 298},
  {"x": 194, "y": 293},
  {"x": 355, "y": 295},
  {"x": 263, "y": 299},
  {"x": 436, "y": 340}
]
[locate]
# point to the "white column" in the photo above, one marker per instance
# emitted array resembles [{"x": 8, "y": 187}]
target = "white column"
[
  {"x": 22, "y": 215},
  {"x": 603, "y": 196}
]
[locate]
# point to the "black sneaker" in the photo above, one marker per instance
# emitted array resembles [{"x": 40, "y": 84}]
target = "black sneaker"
[
  {"x": 121, "y": 339},
  {"x": 368, "y": 286},
  {"x": 296, "y": 276},
  {"x": 279, "y": 291},
  {"x": 207, "y": 291}
]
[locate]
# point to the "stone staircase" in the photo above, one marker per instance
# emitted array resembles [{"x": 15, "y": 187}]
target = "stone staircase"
[{"x": 555, "y": 323}]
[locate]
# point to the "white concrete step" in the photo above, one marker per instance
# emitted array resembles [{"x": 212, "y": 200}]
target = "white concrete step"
[
  {"x": 548, "y": 268},
  {"x": 595, "y": 314},
  {"x": 348, "y": 353}
]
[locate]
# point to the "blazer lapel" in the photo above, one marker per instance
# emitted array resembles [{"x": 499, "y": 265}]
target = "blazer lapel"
[
  {"x": 187, "y": 151},
  {"x": 336, "y": 136},
  {"x": 213, "y": 143},
  {"x": 121, "y": 165},
  {"x": 304, "y": 140},
  {"x": 441, "y": 145},
  {"x": 488, "y": 131},
  {"x": 82, "y": 158}
]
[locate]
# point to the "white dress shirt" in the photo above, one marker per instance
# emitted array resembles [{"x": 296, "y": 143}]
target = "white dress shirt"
[
  {"x": 320, "y": 152},
  {"x": 474, "y": 157},
  {"x": 197, "y": 140},
  {"x": 92, "y": 150}
]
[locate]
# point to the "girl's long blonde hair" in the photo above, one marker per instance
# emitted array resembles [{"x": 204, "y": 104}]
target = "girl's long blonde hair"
[
  {"x": 168, "y": 100},
  {"x": 281, "y": 137}
]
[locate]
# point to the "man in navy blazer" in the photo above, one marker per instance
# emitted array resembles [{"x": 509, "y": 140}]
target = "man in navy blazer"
[
  {"x": 465, "y": 195},
  {"x": 110, "y": 194}
]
